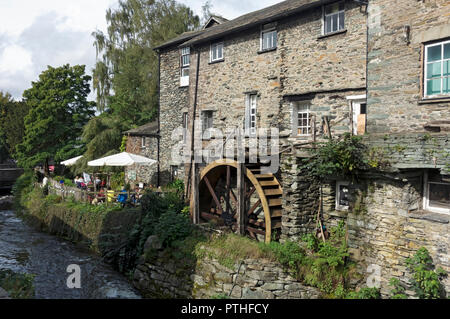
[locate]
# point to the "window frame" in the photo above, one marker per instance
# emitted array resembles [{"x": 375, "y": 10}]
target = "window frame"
[
  {"x": 295, "y": 118},
  {"x": 251, "y": 104},
  {"x": 268, "y": 29},
  {"x": 185, "y": 123},
  {"x": 184, "y": 79},
  {"x": 214, "y": 46},
  {"x": 337, "y": 205},
  {"x": 143, "y": 142},
  {"x": 426, "y": 196},
  {"x": 325, "y": 15},
  {"x": 209, "y": 122},
  {"x": 425, "y": 68}
]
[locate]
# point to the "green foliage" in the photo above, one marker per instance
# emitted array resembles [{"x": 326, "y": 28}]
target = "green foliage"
[
  {"x": 364, "y": 293},
  {"x": 177, "y": 185},
  {"x": 23, "y": 187},
  {"x": 172, "y": 226},
  {"x": 12, "y": 127},
  {"x": 426, "y": 281},
  {"x": 338, "y": 157},
  {"x": 58, "y": 104},
  {"x": 220, "y": 296},
  {"x": 123, "y": 146},
  {"x": 397, "y": 291},
  {"x": 18, "y": 286}
]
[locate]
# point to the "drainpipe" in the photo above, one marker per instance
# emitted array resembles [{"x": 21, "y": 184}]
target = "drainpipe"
[
  {"x": 189, "y": 186},
  {"x": 159, "y": 119}
]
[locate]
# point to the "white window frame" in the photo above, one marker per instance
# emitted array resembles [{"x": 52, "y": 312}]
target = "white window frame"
[
  {"x": 426, "y": 197},
  {"x": 251, "y": 114},
  {"x": 206, "y": 129},
  {"x": 425, "y": 75},
  {"x": 295, "y": 106},
  {"x": 143, "y": 142},
  {"x": 268, "y": 29},
  {"x": 185, "y": 126},
  {"x": 214, "y": 47},
  {"x": 338, "y": 184},
  {"x": 324, "y": 18},
  {"x": 184, "y": 79}
]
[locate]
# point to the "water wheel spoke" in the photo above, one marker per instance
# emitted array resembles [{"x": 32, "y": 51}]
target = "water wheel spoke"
[
  {"x": 213, "y": 194},
  {"x": 254, "y": 207},
  {"x": 251, "y": 192}
]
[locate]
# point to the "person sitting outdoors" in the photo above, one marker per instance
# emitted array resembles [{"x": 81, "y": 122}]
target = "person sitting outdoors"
[{"x": 122, "y": 197}]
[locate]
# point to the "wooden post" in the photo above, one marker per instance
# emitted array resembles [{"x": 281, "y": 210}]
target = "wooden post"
[
  {"x": 241, "y": 216},
  {"x": 195, "y": 205}
]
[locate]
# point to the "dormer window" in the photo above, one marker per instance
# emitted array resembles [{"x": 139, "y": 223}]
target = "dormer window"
[
  {"x": 269, "y": 37},
  {"x": 334, "y": 17},
  {"x": 216, "y": 52},
  {"x": 185, "y": 63}
]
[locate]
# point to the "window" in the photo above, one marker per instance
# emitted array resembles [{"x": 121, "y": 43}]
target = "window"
[
  {"x": 185, "y": 125},
  {"x": 342, "y": 196},
  {"x": 301, "y": 118},
  {"x": 437, "y": 69},
  {"x": 250, "y": 114},
  {"x": 216, "y": 53},
  {"x": 359, "y": 117},
  {"x": 185, "y": 63},
  {"x": 269, "y": 37},
  {"x": 143, "y": 142},
  {"x": 207, "y": 123},
  {"x": 437, "y": 193},
  {"x": 334, "y": 17}
]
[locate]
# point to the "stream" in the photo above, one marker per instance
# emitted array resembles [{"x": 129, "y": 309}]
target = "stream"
[{"x": 26, "y": 250}]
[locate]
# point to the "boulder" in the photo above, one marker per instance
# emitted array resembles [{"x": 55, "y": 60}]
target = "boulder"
[{"x": 153, "y": 243}]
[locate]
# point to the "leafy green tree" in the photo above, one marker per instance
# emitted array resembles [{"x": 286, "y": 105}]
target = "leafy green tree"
[
  {"x": 58, "y": 111},
  {"x": 127, "y": 64},
  {"x": 12, "y": 127}
]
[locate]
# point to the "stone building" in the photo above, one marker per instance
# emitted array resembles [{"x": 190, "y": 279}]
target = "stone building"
[
  {"x": 311, "y": 69},
  {"x": 144, "y": 141}
]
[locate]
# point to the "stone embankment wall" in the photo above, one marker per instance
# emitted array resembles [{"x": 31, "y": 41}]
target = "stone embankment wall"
[
  {"x": 250, "y": 279},
  {"x": 386, "y": 226}
]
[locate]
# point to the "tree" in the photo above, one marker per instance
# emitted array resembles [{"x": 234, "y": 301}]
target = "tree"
[
  {"x": 12, "y": 129},
  {"x": 126, "y": 74},
  {"x": 58, "y": 111}
]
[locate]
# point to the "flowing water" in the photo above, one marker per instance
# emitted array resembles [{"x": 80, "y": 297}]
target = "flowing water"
[{"x": 25, "y": 250}]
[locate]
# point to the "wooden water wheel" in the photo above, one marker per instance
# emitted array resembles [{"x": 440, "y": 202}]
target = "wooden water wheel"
[{"x": 218, "y": 198}]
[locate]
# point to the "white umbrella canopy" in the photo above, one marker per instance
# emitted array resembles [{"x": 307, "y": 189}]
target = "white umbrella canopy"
[
  {"x": 71, "y": 161},
  {"x": 122, "y": 159}
]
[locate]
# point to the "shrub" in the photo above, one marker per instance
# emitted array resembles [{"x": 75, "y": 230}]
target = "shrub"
[
  {"x": 426, "y": 281},
  {"x": 172, "y": 226},
  {"x": 23, "y": 186},
  {"x": 365, "y": 293},
  {"x": 18, "y": 286}
]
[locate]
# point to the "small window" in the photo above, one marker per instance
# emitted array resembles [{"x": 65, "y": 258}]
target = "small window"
[
  {"x": 144, "y": 145},
  {"x": 216, "y": 53},
  {"x": 185, "y": 125},
  {"x": 185, "y": 63},
  {"x": 334, "y": 17},
  {"x": 437, "y": 69},
  {"x": 207, "y": 123},
  {"x": 437, "y": 193},
  {"x": 268, "y": 38},
  {"x": 301, "y": 118},
  {"x": 250, "y": 114},
  {"x": 342, "y": 195}
]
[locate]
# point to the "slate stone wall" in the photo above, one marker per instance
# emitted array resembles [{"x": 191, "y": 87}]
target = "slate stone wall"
[{"x": 396, "y": 61}]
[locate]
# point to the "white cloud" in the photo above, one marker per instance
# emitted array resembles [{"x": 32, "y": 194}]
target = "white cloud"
[{"x": 15, "y": 58}]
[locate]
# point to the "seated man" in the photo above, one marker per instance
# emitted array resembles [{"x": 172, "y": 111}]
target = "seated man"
[{"x": 122, "y": 198}]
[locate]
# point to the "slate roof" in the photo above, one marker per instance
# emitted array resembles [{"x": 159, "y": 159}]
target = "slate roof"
[
  {"x": 149, "y": 129},
  {"x": 266, "y": 15},
  {"x": 278, "y": 11}
]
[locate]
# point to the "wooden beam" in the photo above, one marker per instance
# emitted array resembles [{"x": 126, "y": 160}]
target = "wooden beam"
[
  {"x": 241, "y": 216},
  {"x": 195, "y": 196},
  {"x": 254, "y": 207},
  {"x": 213, "y": 194}
]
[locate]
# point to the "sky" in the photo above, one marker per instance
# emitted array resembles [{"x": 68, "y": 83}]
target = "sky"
[{"x": 38, "y": 33}]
